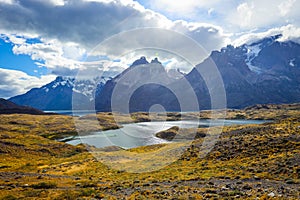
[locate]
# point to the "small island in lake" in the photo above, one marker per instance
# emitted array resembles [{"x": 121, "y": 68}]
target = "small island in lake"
[{"x": 247, "y": 160}]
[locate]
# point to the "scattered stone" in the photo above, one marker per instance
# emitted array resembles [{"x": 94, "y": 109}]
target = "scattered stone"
[
  {"x": 272, "y": 194},
  {"x": 211, "y": 191},
  {"x": 247, "y": 187},
  {"x": 78, "y": 184},
  {"x": 224, "y": 188},
  {"x": 210, "y": 183},
  {"x": 119, "y": 188},
  {"x": 256, "y": 178},
  {"x": 290, "y": 181}
]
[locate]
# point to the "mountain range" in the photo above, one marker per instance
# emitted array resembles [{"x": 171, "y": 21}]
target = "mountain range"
[
  {"x": 58, "y": 94},
  {"x": 266, "y": 71}
]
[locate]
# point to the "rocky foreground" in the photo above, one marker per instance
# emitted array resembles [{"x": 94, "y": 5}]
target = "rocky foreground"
[{"x": 247, "y": 162}]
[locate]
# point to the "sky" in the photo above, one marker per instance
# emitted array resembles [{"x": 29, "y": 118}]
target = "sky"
[{"x": 40, "y": 40}]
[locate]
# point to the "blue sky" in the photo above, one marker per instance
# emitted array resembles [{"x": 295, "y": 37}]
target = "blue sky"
[
  {"x": 24, "y": 63},
  {"x": 35, "y": 48}
]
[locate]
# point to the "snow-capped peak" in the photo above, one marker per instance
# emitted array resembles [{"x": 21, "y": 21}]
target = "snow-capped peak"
[
  {"x": 86, "y": 87},
  {"x": 63, "y": 81},
  {"x": 266, "y": 41},
  {"x": 90, "y": 87}
]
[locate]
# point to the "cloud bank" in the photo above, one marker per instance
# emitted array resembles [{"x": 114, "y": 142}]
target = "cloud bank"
[
  {"x": 13, "y": 82},
  {"x": 87, "y": 23},
  {"x": 61, "y": 34}
]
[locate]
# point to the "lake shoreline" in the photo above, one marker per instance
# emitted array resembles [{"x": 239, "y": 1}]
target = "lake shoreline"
[
  {"x": 262, "y": 159},
  {"x": 144, "y": 133},
  {"x": 104, "y": 121}
]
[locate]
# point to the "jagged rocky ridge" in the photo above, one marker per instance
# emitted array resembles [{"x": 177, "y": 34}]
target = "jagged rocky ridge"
[
  {"x": 266, "y": 71},
  {"x": 60, "y": 93}
]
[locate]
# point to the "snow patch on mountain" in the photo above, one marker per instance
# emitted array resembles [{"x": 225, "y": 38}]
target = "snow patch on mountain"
[
  {"x": 291, "y": 63},
  {"x": 252, "y": 52},
  {"x": 254, "y": 49},
  {"x": 63, "y": 81},
  {"x": 46, "y": 89},
  {"x": 86, "y": 87},
  {"x": 90, "y": 87}
]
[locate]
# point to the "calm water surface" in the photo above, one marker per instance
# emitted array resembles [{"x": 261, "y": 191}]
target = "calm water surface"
[
  {"x": 142, "y": 134},
  {"x": 72, "y": 112}
]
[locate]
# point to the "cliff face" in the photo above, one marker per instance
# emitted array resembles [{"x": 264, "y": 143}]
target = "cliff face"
[{"x": 267, "y": 71}]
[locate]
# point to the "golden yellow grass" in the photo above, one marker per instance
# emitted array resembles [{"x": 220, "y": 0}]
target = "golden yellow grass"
[{"x": 34, "y": 167}]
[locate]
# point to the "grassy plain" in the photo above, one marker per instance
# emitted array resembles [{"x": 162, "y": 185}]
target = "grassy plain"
[{"x": 247, "y": 161}]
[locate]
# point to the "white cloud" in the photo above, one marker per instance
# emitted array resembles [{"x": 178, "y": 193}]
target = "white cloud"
[
  {"x": 82, "y": 22},
  {"x": 13, "y": 82},
  {"x": 251, "y": 14},
  {"x": 16, "y": 39},
  {"x": 57, "y": 2},
  {"x": 182, "y": 65},
  {"x": 286, "y": 6},
  {"x": 210, "y": 37},
  {"x": 53, "y": 55},
  {"x": 210, "y": 11},
  {"x": 233, "y": 16},
  {"x": 183, "y": 9},
  {"x": 70, "y": 30},
  {"x": 245, "y": 13},
  {"x": 193, "y": 42},
  {"x": 7, "y": 1},
  {"x": 78, "y": 21},
  {"x": 73, "y": 51},
  {"x": 289, "y": 32}
]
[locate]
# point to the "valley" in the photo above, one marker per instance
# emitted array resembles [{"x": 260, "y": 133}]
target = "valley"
[{"x": 247, "y": 161}]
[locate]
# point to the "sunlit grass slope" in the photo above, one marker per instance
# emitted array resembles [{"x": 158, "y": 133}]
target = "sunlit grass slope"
[{"x": 246, "y": 162}]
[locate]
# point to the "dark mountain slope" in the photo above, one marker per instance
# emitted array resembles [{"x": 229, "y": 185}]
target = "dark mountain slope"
[{"x": 7, "y": 107}]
